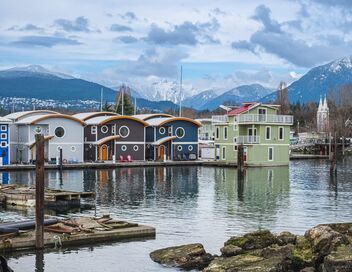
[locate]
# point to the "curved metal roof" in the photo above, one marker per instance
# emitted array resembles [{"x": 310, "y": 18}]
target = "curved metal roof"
[
  {"x": 88, "y": 115},
  {"x": 162, "y": 121},
  {"x": 22, "y": 114}
]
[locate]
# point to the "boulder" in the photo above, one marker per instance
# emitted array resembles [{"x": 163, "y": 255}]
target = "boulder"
[
  {"x": 286, "y": 237},
  {"x": 339, "y": 260},
  {"x": 302, "y": 255},
  {"x": 254, "y": 240},
  {"x": 277, "y": 251},
  {"x": 324, "y": 239},
  {"x": 308, "y": 269},
  {"x": 187, "y": 257},
  {"x": 248, "y": 263},
  {"x": 230, "y": 250}
]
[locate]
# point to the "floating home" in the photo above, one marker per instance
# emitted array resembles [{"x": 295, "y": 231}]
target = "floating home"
[
  {"x": 60, "y": 131},
  {"x": 108, "y": 136},
  {"x": 170, "y": 138},
  {"x": 264, "y": 134},
  {"x": 4, "y": 141}
]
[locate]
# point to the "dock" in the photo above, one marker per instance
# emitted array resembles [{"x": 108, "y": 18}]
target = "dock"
[
  {"x": 76, "y": 231},
  {"x": 12, "y": 195}
]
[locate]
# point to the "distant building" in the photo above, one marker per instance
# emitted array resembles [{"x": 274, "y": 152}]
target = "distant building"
[
  {"x": 206, "y": 132},
  {"x": 323, "y": 116}
]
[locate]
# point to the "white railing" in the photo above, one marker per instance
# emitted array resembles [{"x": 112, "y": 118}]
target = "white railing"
[
  {"x": 265, "y": 118},
  {"x": 248, "y": 139},
  {"x": 220, "y": 119}
]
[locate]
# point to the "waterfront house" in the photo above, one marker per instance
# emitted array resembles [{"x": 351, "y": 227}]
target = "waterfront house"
[
  {"x": 109, "y": 135},
  {"x": 171, "y": 138},
  {"x": 60, "y": 131},
  {"x": 206, "y": 138},
  {"x": 4, "y": 141},
  {"x": 264, "y": 134}
]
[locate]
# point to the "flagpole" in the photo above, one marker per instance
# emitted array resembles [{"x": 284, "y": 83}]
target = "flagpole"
[
  {"x": 180, "y": 114},
  {"x": 101, "y": 99}
]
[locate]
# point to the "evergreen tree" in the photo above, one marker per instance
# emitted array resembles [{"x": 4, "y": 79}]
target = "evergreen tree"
[{"x": 123, "y": 98}]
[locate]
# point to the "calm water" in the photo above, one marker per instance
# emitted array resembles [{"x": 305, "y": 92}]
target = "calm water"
[{"x": 192, "y": 204}]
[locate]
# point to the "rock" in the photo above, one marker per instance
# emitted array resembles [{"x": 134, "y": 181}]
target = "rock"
[
  {"x": 277, "y": 251},
  {"x": 254, "y": 240},
  {"x": 324, "y": 239},
  {"x": 192, "y": 256},
  {"x": 308, "y": 269},
  {"x": 248, "y": 263},
  {"x": 302, "y": 255},
  {"x": 230, "y": 250},
  {"x": 286, "y": 237},
  {"x": 339, "y": 260}
]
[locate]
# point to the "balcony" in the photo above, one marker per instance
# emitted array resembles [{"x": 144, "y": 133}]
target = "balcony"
[
  {"x": 220, "y": 119},
  {"x": 248, "y": 139},
  {"x": 265, "y": 118}
]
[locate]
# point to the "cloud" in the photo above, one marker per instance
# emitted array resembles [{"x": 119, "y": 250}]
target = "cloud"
[
  {"x": 262, "y": 14},
  {"x": 186, "y": 33},
  {"x": 340, "y": 3},
  {"x": 27, "y": 27},
  {"x": 244, "y": 45},
  {"x": 218, "y": 11},
  {"x": 80, "y": 24},
  {"x": 120, "y": 28},
  {"x": 126, "y": 39},
  {"x": 44, "y": 41},
  {"x": 129, "y": 16}
]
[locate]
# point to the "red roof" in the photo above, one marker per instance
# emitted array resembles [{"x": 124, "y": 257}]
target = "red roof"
[{"x": 240, "y": 109}]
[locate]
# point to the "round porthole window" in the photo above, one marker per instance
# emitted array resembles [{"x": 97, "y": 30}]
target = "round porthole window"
[
  {"x": 162, "y": 130},
  {"x": 190, "y": 147},
  {"x": 58, "y": 148},
  {"x": 179, "y": 147},
  {"x": 38, "y": 130},
  {"x": 59, "y": 132},
  {"x": 123, "y": 148},
  {"x": 180, "y": 132},
  {"x": 124, "y": 131},
  {"x": 73, "y": 148},
  {"x": 135, "y": 147},
  {"x": 104, "y": 129}
]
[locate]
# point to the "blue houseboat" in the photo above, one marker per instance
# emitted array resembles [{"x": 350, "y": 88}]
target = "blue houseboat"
[{"x": 4, "y": 141}]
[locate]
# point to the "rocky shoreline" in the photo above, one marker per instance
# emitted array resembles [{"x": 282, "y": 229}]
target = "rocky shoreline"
[{"x": 324, "y": 248}]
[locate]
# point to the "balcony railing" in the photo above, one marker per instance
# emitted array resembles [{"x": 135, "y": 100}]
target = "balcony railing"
[
  {"x": 220, "y": 119},
  {"x": 265, "y": 118},
  {"x": 248, "y": 139}
]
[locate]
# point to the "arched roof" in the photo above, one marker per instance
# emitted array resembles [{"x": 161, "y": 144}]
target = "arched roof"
[
  {"x": 59, "y": 115},
  {"x": 112, "y": 118},
  {"x": 146, "y": 117},
  {"x": 88, "y": 115},
  {"x": 22, "y": 114},
  {"x": 162, "y": 121}
]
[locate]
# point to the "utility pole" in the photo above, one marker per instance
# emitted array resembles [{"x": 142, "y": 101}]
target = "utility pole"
[
  {"x": 101, "y": 99},
  {"x": 39, "y": 192},
  {"x": 135, "y": 106},
  {"x": 180, "y": 114},
  {"x": 122, "y": 103}
]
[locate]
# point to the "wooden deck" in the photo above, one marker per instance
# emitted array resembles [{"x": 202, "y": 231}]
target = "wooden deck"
[{"x": 12, "y": 195}]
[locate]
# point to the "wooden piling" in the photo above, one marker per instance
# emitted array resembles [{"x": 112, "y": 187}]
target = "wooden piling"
[
  {"x": 39, "y": 192},
  {"x": 240, "y": 160},
  {"x": 333, "y": 159}
]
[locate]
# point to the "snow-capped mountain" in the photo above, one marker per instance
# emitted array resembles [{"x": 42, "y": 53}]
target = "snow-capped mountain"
[
  {"x": 33, "y": 70},
  {"x": 210, "y": 100},
  {"x": 319, "y": 81},
  {"x": 199, "y": 100}
]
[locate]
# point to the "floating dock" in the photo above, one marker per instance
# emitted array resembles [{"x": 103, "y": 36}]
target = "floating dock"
[
  {"x": 12, "y": 195},
  {"x": 75, "y": 232}
]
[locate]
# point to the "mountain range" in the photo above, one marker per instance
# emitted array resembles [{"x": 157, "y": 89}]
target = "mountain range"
[{"x": 37, "y": 82}]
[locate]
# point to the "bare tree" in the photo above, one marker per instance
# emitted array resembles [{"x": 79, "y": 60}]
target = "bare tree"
[{"x": 282, "y": 98}]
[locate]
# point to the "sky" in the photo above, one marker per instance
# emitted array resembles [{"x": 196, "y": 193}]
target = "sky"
[{"x": 220, "y": 44}]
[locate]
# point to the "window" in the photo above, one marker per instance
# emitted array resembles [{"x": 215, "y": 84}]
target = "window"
[
  {"x": 179, "y": 147},
  {"x": 104, "y": 129},
  {"x": 235, "y": 147},
  {"x": 93, "y": 130},
  {"x": 135, "y": 147},
  {"x": 225, "y": 133},
  {"x": 234, "y": 140},
  {"x": 190, "y": 147},
  {"x": 217, "y": 135},
  {"x": 235, "y": 127},
  {"x": 3, "y": 144},
  {"x": 270, "y": 153},
  {"x": 123, "y": 147},
  {"x": 223, "y": 153},
  {"x": 267, "y": 133},
  {"x": 3, "y": 136},
  {"x": 113, "y": 129},
  {"x": 3, "y": 127},
  {"x": 162, "y": 130},
  {"x": 281, "y": 133},
  {"x": 262, "y": 115},
  {"x": 73, "y": 148},
  {"x": 58, "y": 148},
  {"x": 124, "y": 131},
  {"x": 180, "y": 132},
  {"x": 59, "y": 132}
]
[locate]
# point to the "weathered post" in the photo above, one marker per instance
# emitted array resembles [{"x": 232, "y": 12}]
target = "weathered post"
[
  {"x": 333, "y": 170},
  {"x": 329, "y": 145},
  {"x": 240, "y": 160},
  {"x": 343, "y": 146},
  {"x": 60, "y": 159},
  {"x": 39, "y": 192}
]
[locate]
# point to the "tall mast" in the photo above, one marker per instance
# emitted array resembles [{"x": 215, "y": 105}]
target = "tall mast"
[
  {"x": 123, "y": 104},
  {"x": 135, "y": 106},
  {"x": 101, "y": 99},
  {"x": 180, "y": 114}
]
